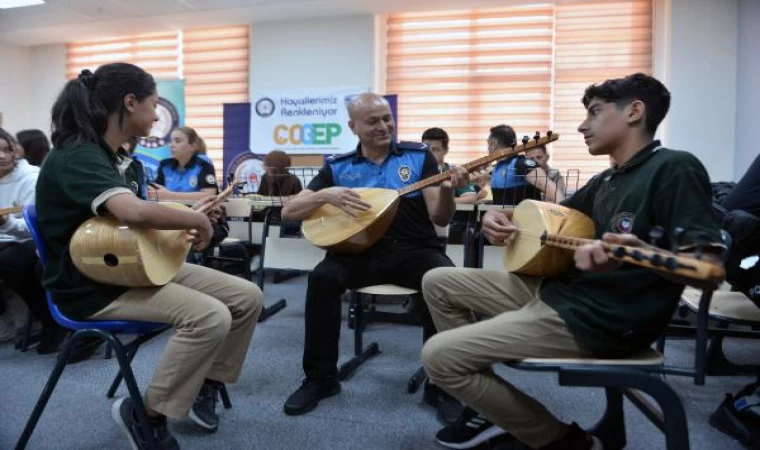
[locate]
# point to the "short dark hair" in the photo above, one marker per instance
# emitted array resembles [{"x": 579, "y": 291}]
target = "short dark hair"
[
  {"x": 504, "y": 135},
  {"x": 81, "y": 112},
  {"x": 437, "y": 134},
  {"x": 35, "y": 144},
  {"x": 639, "y": 86}
]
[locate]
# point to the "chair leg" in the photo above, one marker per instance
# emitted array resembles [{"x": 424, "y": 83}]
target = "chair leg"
[
  {"x": 47, "y": 391},
  {"x": 63, "y": 358},
  {"x": 670, "y": 419},
  {"x": 416, "y": 381},
  {"x": 359, "y": 355},
  {"x": 25, "y": 339},
  {"x": 118, "y": 378},
  {"x": 132, "y": 389},
  {"x": 269, "y": 311},
  {"x": 225, "y": 397},
  {"x": 611, "y": 427}
]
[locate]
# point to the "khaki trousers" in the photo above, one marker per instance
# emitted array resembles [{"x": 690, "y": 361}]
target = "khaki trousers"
[
  {"x": 460, "y": 357},
  {"x": 214, "y": 315}
]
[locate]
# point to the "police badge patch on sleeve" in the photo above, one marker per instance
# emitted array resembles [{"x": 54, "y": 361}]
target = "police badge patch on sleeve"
[
  {"x": 404, "y": 173},
  {"x": 210, "y": 179}
]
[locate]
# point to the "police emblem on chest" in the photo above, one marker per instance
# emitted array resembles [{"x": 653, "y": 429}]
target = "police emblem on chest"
[
  {"x": 404, "y": 173},
  {"x": 193, "y": 181},
  {"x": 622, "y": 223}
]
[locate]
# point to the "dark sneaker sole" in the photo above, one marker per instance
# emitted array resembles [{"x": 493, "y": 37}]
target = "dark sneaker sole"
[
  {"x": 116, "y": 415},
  {"x": 487, "y": 435},
  {"x": 198, "y": 421},
  {"x": 311, "y": 406}
]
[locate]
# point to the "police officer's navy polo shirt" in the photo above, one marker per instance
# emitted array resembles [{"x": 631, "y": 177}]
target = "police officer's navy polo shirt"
[
  {"x": 508, "y": 182},
  {"x": 197, "y": 174},
  {"x": 406, "y": 163}
]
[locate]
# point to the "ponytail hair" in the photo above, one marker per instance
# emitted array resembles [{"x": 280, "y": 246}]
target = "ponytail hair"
[
  {"x": 193, "y": 138},
  {"x": 81, "y": 112}
]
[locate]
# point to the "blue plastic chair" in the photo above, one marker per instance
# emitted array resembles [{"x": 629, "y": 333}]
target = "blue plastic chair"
[{"x": 106, "y": 330}]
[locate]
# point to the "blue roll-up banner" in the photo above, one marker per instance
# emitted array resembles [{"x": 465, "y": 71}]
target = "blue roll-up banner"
[{"x": 152, "y": 149}]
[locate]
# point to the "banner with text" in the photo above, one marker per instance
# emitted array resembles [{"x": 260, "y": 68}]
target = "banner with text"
[{"x": 302, "y": 122}]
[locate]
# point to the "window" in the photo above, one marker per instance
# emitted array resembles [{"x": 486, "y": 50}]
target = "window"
[
  {"x": 215, "y": 67},
  {"x": 156, "y": 53},
  {"x": 526, "y": 66},
  {"x": 213, "y": 62}
]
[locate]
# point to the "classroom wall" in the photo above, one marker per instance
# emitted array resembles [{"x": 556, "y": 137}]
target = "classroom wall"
[
  {"x": 47, "y": 77},
  {"x": 312, "y": 53},
  {"x": 747, "y": 86},
  {"x": 15, "y": 87},
  {"x": 703, "y": 55}
]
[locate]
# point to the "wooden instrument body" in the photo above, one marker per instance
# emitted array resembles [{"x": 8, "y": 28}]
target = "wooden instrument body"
[
  {"x": 107, "y": 251},
  {"x": 333, "y": 230},
  {"x": 526, "y": 254}
]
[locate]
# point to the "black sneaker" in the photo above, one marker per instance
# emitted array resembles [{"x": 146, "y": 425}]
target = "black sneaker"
[
  {"x": 203, "y": 411},
  {"x": 449, "y": 408},
  {"x": 124, "y": 415},
  {"x": 470, "y": 430},
  {"x": 307, "y": 397},
  {"x": 740, "y": 425}
]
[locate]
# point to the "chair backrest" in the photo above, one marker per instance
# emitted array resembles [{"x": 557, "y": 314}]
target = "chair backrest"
[
  {"x": 291, "y": 254},
  {"x": 238, "y": 208},
  {"x": 30, "y": 217}
]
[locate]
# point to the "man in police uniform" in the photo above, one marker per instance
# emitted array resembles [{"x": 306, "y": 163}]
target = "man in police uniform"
[
  {"x": 408, "y": 250},
  {"x": 516, "y": 178},
  {"x": 601, "y": 308}
]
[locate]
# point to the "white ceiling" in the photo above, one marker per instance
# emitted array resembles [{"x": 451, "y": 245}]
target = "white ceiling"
[{"x": 60, "y": 21}]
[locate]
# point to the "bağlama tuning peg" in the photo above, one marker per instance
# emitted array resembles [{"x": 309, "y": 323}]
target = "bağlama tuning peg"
[
  {"x": 537, "y": 136},
  {"x": 525, "y": 140},
  {"x": 655, "y": 234},
  {"x": 675, "y": 240},
  {"x": 549, "y": 133}
]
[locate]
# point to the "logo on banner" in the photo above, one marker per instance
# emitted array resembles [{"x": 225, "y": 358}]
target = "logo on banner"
[
  {"x": 168, "y": 119},
  {"x": 248, "y": 169},
  {"x": 264, "y": 107}
]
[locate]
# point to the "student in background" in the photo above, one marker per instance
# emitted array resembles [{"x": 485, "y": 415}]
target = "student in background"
[
  {"x": 18, "y": 256},
  {"x": 187, "y": 175},
  {"x": 277, "y": 181},
  {"x": 437, "y": 141},
  {"x": 544, "y": 172},
  {"x": 35, "y": 146}
]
